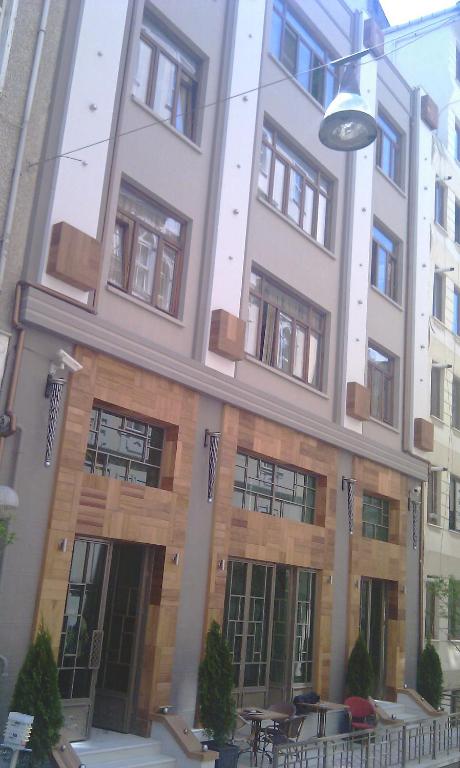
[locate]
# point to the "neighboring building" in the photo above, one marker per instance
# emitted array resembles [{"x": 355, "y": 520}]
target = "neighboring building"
[
  {"x": 439, "y": 243},
  {"x": 30, "y": 39},
  {"x": 217, "y": 272}
]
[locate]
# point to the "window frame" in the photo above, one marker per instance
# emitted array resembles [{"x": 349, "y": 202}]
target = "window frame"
[
  {"x": 434, "y": 498},
  {"x": 306, "y": 327},
  {"x": 456, "y": 311},
  {"x": 373, "y": 370},
  {"x": 290, "y": 167},
  {"x": 319, "y": 54},
  {"x": 383, "y": 506},
  {"x": 456, "y": 402},
  {"x": 392, "y": 263},
  {"x": 457, "y": 63},
  {"x": 457, "y": 141},
  {"x": 385, "y": 128},
  {"x": 440, "y": 204},
  {"x": 130, "y": 225},
  {"x": 436, "y": 392},
  {"x": 99, "y": 409},
  {"x": 182, "y": 76},
  {"x": 453, "y": 609},
  {"x": 309, "y": 513},
  {"x": 454, "y": 513},
  {"x": 438, "y": 295}
]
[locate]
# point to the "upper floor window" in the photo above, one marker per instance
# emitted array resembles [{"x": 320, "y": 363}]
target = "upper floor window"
[
  {"x": 440, "y": 204},
  {"x": 384, "y": 270},
  {"x": 380, "y": 380},
  {"x": 436, "y": 392},
  {"x": 457, "y": 142},
  {"x": 438, "y": 295},
  {"x": 376, "y": 517},
  {"x": 123, "y": 448},
  {"x": 389, "y": 142},
  {"x": 296, "y": 48},
  {"x": 457, "y": 63},
  {"x": 284, "y": 331},
  {"x": 266, "y": 487},
  {"x": 8, "y": 11},
  {"x": 434, "y": 497},
  {"x": 456, "y": 402},
  {"x": 454, "y": 503},
  {"x": 456, "y": 311},
  {"x": 295, "y": 186},
  {"x": 167, "y": 77},
  {"x": 147, "y": 255}
]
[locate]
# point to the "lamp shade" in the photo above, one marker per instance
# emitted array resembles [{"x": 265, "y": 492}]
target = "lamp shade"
[
  {"x": 348, "y": 123},
  {"x": 8, "y": 497}
]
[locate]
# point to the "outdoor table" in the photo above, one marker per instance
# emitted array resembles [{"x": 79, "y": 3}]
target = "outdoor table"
[
  {"x": 322, "y": 708},
  {"x": 256, "y": 715}
]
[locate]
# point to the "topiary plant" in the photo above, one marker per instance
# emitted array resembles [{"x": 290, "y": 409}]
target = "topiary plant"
[
  {"x": 36, "y": 693},
  {"x": 429, "y": 676},
  {"x": 215, "y": 687},
  {"x": 360, "y": 672}
]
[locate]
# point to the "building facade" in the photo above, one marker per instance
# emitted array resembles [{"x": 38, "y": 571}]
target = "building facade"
[
  {"x": 236, "y": 440},
  {"x": 438, "y": 245}
]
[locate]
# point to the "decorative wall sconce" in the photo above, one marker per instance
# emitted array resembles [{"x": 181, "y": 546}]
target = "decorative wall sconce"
[
  {"x": 348, "y": 485},
  {"x": 175, "y": 558},
  {"x": 53, "y": 392},
  {"x": 221, "y": 565},
  {"x": 414, "y": 502},
  {"x": 212, "y": 439}
]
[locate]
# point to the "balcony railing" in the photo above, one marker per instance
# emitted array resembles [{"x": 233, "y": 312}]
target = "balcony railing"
[{"x": 414, "y": 743}]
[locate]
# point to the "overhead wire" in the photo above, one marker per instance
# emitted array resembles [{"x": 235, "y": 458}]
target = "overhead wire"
[{"x": 415, "y": 34}]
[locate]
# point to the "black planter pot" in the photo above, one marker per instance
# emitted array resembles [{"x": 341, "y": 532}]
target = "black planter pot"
[{"x": 228, "y": 754}]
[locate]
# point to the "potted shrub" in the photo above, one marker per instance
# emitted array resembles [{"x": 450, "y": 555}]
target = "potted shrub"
[
  {"x": 215, "y": 700},
  {"x": 36, "y": 693},
  {"x": 429, "y": 676},
  {"x": 360, "y": 673}
]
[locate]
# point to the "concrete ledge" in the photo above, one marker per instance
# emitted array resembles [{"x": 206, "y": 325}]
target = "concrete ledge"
[{"x": 175, "y": 727}]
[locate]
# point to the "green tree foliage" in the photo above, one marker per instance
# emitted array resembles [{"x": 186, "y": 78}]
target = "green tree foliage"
[
  {"x": 360, "y": 673},
  {"x": 429, "y": 676},
  {"x": 36, "y": 693},
  {"x": 215, "y": 686}
]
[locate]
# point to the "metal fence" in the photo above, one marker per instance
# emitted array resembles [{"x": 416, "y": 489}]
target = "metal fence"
[{"x": 420, "y": 741}]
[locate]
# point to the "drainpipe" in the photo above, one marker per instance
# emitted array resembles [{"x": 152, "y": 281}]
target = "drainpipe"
[{"x": 8, "y": 226}]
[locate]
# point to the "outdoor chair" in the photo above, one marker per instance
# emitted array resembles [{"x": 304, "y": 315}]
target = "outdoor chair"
[
  {"x": 362, "y": 713},
  {"x": 284, "y": 709},
  {"x": 287, "y": 732},
  {"x": 242, "y": 734}
]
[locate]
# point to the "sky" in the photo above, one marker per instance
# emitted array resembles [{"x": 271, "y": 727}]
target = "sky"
[{"x": 399, "y": 11}]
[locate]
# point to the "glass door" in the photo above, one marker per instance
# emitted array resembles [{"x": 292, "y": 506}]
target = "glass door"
[
  {"x": 373, "y": 627},
  {"x": 81, "y": 634}
]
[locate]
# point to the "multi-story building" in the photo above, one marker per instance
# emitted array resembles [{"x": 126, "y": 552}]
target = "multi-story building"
[
  {"x": 239, "y": 443},
  {"x": 439, "y": 284}
]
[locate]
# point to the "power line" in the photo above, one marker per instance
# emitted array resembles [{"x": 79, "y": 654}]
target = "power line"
[{"x": 416, "y": 35}]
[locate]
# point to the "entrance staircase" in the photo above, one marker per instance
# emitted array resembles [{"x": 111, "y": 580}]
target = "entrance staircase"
[{"x": 107, "y": 749}]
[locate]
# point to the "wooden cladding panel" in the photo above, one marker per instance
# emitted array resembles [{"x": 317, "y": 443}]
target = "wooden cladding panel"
[
  {"x": 227, "y": 335},
  {"x": 373, "y": 38},
  {"x": 74, "y": 257},
  {"x": 381, "y": 560},
  {"x": 429, "y": 112},
  {"x": 98, "y": 506},
  {"x": 239, "y": 533},
  {"x": 358, "y": 401},
  {"x": 424, "y": 435}
]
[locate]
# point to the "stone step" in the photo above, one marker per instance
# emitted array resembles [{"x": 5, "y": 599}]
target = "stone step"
[{"x": 128, "y": 759}]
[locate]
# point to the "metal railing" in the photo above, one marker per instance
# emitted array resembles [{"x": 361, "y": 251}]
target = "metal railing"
[{"x": 394, "y": 746}]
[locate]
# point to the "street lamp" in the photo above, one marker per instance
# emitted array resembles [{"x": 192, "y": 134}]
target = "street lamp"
[{"x": 348, "y": 123}]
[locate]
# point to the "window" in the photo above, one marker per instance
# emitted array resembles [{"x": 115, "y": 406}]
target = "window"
[
  {"x": 380, "y": 374},
  {"x": 285, "y": 332},
  {"x": 275, "y": 490},
  {"x": 167, "y": 77},
  {"x": 123, "y": 448},
  {"x": 147, "y": 254},
  {"x": 295, "y": 187},
  {"x": 457, "y": 221},
  {"x": 434, "y": 497},
  {"x": 438, "y": 295},
  {"x": 295, "y": 47},
  {"x": 456, "y": 402},
  {"x": 453, "y": 608},
  {"x": 454, "y": 503},
  {"x": 376, "y": 517},
  {"x": 430, "y": 610},
  {"x": 456, "y": 311},
  {"x": 440, "y": 204},
  {"x": 8, "y": 11},
  {"x": 384, "y": 270},
  {"x": 388, "y": 149},
  {"x": 436, "y": 392},
  {"x": 457, "y": 142},
  {"x": 457, "y": 64}
]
